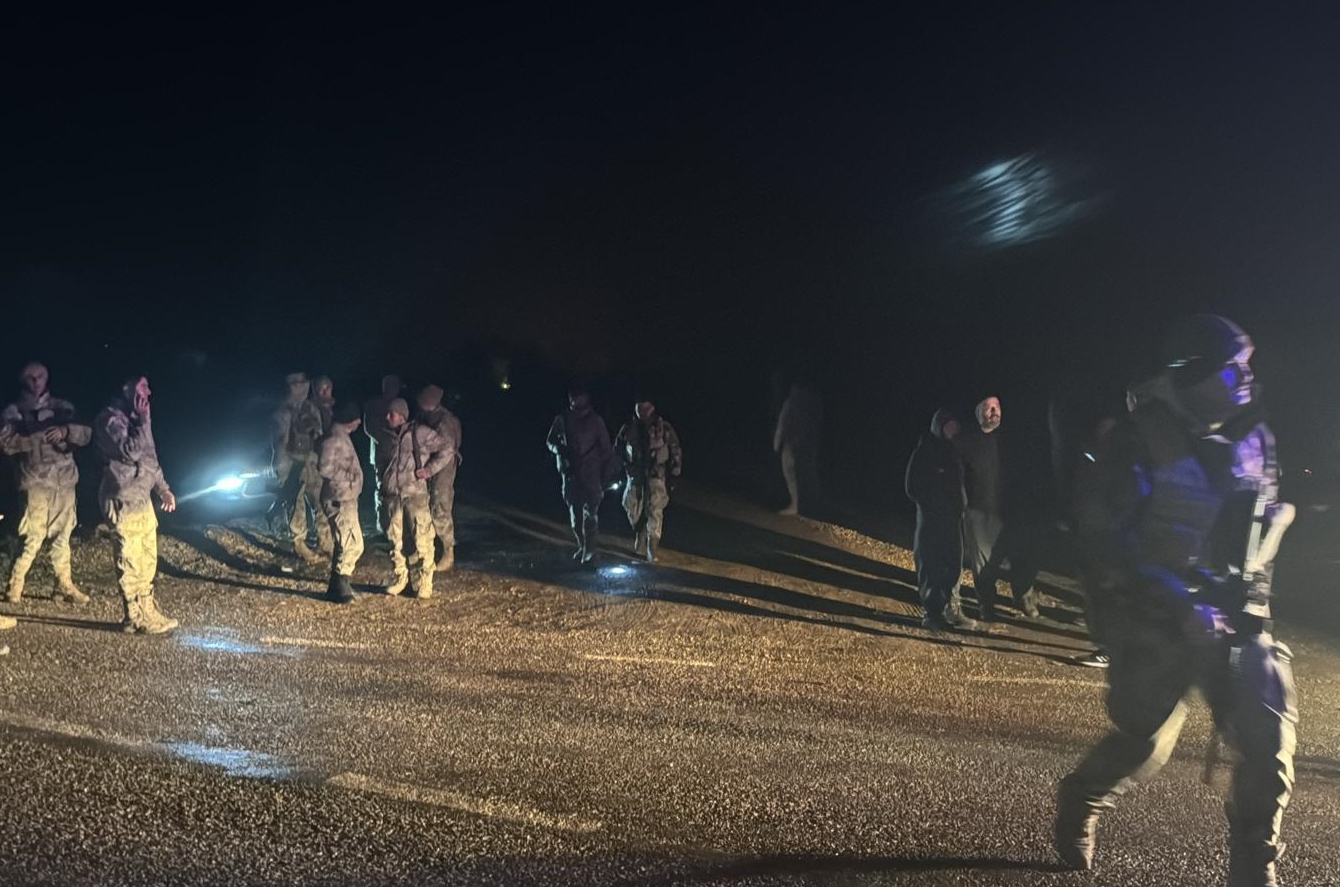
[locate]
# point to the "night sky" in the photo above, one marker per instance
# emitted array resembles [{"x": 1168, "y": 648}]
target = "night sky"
[{"x": 694, "y": 196}]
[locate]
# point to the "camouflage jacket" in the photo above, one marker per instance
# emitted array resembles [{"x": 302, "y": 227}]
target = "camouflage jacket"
[
  {"x": 652, "y": 447},
  {"x": 326, "y": 409},
  {"x": 41, "y": 464},
  {"x": 445, "y": 423},
  {"x": 412, "y": 447},
  {"x": 337, "y": 462},
  {"x": 131, "y": 469},
  {"x": 295, "y": 429}
]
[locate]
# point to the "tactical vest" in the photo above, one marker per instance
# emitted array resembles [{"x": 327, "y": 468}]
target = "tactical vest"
[{"x": 1198, "y": 493}]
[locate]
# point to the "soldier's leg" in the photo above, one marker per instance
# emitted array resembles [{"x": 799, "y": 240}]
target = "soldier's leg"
[
  {"x": 33, "y": 529},
  {"x": 421, "y": 516},
  {"x": 789, "y": 473},
  {"x": 297, "y": 521},
  {"x": 63, "y": 519},
  {"x": 1153, "y": 668},
  {"x": 135, "y": 547},
  {"x": 395, "y": 535},
  {"x": 1256, "y": 709},
  {"x": 348, "y": 536},
  {"x": 311, "y": 488},
  {"x": 443, "y": 501},
  {"x": 572, "y": 498},
  {"x": 590, "y": 525},
  {"x": 657, "y": 498}
]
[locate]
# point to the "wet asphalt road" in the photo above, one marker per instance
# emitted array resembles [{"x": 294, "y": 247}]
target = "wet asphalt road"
[{"x": 759, "y": 708}]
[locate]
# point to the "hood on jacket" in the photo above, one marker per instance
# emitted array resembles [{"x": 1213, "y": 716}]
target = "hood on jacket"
[{"x": 942, "y": 416}]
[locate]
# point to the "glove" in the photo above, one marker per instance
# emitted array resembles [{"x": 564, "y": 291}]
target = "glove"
[{"x": 1207, "y": 622}]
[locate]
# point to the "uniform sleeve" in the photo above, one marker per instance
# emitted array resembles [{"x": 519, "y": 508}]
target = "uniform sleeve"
[
  {"x": 13, "y": 442},
  {"x": 78, "y": 434},
  {"x": 326, "y": 465},
  {"x": 281, "y": 423},
  {"x": 676, "y": 454},
  {"x": 1111, "y": 487},
  {"x": 120, "y": 440},
  {"x": 441, "y": 450}
]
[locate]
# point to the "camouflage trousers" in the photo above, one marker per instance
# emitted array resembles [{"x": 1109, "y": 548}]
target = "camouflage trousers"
[
  {"x": 442, "y": 495},
  {"x": 49, "y": 514},
  {"x": 414, "y": 514},
  {"x": 649, "y": 504},
  {"x": 135, "y": 548},
  {"x": 1248, "y": 684},
  {"x": 309, "y": 493},
  {"x": 347, "y": 533}
]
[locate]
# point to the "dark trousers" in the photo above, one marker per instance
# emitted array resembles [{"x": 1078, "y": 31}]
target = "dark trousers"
[{"x": 1248, "y": 684}]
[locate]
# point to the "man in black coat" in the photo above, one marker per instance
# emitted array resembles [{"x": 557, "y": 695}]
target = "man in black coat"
[{"x": 934, "y": 481}]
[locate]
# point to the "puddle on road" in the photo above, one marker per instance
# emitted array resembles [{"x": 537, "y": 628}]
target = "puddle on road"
[
  {"x": 228, "y": 642},
  {"x": 233, "y": 761}
]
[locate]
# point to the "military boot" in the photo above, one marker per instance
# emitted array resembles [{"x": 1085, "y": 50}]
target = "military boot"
[
  {"x": 956, "y": 621},
  {"x": 154, "y": 622},
  {"x": 639, "y": 543},
  {"x": 1028, "y": 604},
  {"x": 653, "y": 545},
  {"x": 447, "y": 560},
  {"x": 399, "y": 582},
  {"x": 1076, "y": 827},
  {"x": 424, "y": 587},
  {"x": 69, "y": 591},
  {"x": 14, "y": 593},
  {"x": 339, "y": 591}
]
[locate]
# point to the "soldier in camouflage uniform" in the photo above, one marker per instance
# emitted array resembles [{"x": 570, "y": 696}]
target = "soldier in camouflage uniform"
[
  {"x": 323, "y": 398},
  {"x": 649, "y": 450},
  {"x": 124, "y": 437},
  {"x": 442, "y": 487},
  {"x": 415, "y": 455},
  {"x": 341, "y": 485},
  {"x": 379, "y": 440},
  {"x": 42, "y": 432},
  {"x": 296, "y": 427},
  {"x": 6, "y": 622}
]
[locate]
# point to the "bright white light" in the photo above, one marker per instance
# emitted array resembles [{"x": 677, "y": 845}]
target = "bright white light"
[
  {"x": 505, "y": 385},
  {"x": 1016, "y": 201},
  {"x": 230, "y": 484},
  {"x": 616, "y": 571}
]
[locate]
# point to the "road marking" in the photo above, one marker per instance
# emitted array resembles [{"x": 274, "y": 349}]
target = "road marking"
[
  {"x": 313, "y": 642},
  {"x": 1001, "y": 679},
  {"x": 650, "y": 660},
  {"x": 74, "y": 731},
  {"x": 504, "y": 810}
]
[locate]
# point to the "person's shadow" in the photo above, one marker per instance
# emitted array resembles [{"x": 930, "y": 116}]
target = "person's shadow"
[{"x": 792, "y": 865}]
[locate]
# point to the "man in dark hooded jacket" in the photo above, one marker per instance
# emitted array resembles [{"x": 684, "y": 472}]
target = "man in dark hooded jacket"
[
  {"x": 934, "y": 481},
  {"x": 581, "y": 445}
]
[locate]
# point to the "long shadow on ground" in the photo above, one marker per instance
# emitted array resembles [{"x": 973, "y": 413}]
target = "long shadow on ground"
[{"x": 710, "y": 591}]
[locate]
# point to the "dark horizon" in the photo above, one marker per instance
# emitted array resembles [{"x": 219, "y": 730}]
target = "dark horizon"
[{"x": 678, "y": 200}]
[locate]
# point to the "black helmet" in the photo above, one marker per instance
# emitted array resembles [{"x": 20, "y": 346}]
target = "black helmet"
[{"x": 1196, "y": 347}]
